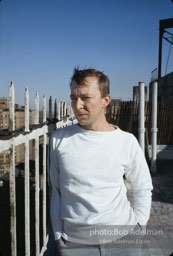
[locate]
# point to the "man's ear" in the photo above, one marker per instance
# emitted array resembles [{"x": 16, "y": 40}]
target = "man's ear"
[{"x": 106, "y": 100}]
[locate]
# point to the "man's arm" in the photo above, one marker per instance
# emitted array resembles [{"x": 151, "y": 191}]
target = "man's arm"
[
  {"x": 140, "y": 179},
  {"x": 55, "y": 198}
]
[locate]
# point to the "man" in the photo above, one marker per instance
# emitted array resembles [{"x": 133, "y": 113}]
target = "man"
[{"x": 89, "y": 207}]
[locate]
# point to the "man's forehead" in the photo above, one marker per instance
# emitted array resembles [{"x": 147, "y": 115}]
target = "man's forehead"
[
  {"x": 89, "y": 88},
  {"x": 82, "y": 89},
  {"x": 87, "y": 81}
]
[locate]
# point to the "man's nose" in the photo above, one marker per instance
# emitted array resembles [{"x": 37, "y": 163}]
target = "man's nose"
[{"x": 79, "y": 103}]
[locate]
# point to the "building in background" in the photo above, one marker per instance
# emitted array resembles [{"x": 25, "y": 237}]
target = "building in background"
[
  {"x": 4, "y": 113},
  {"x": 165, "y": 79},
  {"x": 19, "y": 124},
  {"x": 165, "y": 88}
]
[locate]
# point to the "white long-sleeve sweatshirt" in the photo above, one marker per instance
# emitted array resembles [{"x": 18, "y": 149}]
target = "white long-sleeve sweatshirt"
[{"x": 87, "y": 186}]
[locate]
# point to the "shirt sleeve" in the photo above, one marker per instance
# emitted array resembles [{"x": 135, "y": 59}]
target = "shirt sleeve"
[
  {"x": 55, "y": 196},
  {"x": 138, "y": 175}
]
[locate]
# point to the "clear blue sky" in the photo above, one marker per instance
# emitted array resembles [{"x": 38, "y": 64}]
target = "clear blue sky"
[{"x": 42, "y": 41}]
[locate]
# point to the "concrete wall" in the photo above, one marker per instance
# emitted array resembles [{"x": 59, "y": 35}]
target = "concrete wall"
[{"x": 165, "y": 88}]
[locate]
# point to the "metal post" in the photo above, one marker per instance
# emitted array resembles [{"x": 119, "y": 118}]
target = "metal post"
[
  {"x": 141, "y": 129},
  {"x": 154, "y": 127},
  {"x": 160, "y": 53}
]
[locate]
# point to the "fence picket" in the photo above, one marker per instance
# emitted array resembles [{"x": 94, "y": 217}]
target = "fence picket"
[
  {"x": 44, "y": 109},
  {"x": 11, "y": 107},
  {"x": 13, "y": 202},
  {"x": 27, "y": 200},
  {"x": 59, "y": 110},
  {"x": 44, "y": 188},
  {"x": 36, "y": 108},
  {"x": 37, "y": 189},
  {"x": 55, "y": 109},
  {"x": 50, "y": 108},
  {"x": 26, "y": 97}
]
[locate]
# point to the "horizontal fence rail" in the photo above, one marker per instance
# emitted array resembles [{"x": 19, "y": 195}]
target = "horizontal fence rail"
[{"x": 32, "y": 135}]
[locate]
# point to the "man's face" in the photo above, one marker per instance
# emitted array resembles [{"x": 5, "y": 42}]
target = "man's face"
[{"x": 87, "y": 103}]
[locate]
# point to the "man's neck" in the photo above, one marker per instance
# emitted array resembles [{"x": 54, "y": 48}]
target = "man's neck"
[{"x": 101, "y": 127}]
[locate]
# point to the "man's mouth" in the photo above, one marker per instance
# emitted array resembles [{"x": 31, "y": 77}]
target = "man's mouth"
[{"x": 81, "y": 114}]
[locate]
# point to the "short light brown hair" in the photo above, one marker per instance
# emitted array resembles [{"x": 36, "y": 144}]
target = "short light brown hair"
[{"x": 79, "y": 77}]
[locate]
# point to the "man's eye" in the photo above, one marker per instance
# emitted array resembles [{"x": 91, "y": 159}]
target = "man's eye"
[{"x": 86, "y": 98}]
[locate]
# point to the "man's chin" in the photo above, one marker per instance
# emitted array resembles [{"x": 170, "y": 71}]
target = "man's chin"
[
  {"x": 82, "y": 120},
  {"x": 83, "y": 123}
]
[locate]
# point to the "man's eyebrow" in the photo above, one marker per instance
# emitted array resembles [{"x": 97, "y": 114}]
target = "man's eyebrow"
[{"x": 82, "y": 95}]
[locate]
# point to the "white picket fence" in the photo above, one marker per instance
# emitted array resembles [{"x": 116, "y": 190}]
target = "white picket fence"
[{"x": 61, "y": 116}]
